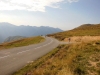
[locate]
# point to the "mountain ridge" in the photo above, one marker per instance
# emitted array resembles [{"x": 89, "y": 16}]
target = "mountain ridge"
[
  {"x": 13, "y": 38},
  {"x": 7, "y": 30}
]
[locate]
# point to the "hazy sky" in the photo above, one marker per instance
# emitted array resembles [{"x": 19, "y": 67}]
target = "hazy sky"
[{"x": 64, "y": 14}]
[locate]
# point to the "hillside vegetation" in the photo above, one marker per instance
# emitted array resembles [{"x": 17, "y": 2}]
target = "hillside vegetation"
[
  {"x": 22, "y": 42},
  {"x": 83, "y": 30},
  {"x": 78, "y": 58},
  {"x": 72, "y": 59}
]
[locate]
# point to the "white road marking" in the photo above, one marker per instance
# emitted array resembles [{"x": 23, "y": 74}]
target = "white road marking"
[
  {"x": 22, "y": 52},
  {"x": 26, "y": 50},
  {"x": 50, "y": 42},
  {"x": 38, "y": 47},
  {"x": 44, "y": 45},
  {"x": 4, "y": 56},
  {"x": 13, "y": 58}
]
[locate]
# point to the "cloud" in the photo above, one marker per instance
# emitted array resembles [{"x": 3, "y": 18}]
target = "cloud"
[{"x": 31, "y": 5}]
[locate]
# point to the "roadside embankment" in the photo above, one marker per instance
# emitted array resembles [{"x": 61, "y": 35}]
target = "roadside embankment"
[{"x": 71, "y": 59}]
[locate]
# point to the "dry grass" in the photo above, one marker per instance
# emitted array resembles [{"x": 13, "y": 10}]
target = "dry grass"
[
  {"x": 73, "y": 59},
  {"x": 81, "y": 58},
  {"x": 85, "y": 63},
  {"x": 65, "y": 71},
  {"x": 28, "y": 70},
  {"x": 83, "y": 38}
]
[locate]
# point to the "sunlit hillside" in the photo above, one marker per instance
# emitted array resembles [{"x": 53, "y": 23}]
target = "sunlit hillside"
[
  {"x": 83, "y": 30},
  {"x": 71, "y": 59},
  {"x": 78, "y": 58}
]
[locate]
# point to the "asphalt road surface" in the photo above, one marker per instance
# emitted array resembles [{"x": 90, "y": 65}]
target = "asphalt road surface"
[{"x": 14, "y": 59}]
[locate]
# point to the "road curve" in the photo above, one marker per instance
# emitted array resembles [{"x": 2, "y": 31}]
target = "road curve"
[{"x": 14, "y": 59}]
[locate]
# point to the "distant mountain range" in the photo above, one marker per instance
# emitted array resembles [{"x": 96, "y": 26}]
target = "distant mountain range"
[{"x": 7, "y": 30}]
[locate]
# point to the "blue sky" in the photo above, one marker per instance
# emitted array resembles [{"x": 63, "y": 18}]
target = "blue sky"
[{"x": 64, "y": 14}]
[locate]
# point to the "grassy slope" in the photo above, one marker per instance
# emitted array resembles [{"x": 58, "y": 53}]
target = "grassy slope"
[
  {"x": 84, "y": 30},
  {"x": 73, "y": 59},
  {"x": 32, "y": 66},
  {"x": 22, "y": 42}
]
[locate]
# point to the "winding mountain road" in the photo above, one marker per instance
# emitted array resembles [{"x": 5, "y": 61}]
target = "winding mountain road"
[{"x": 14, "y": 59}]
